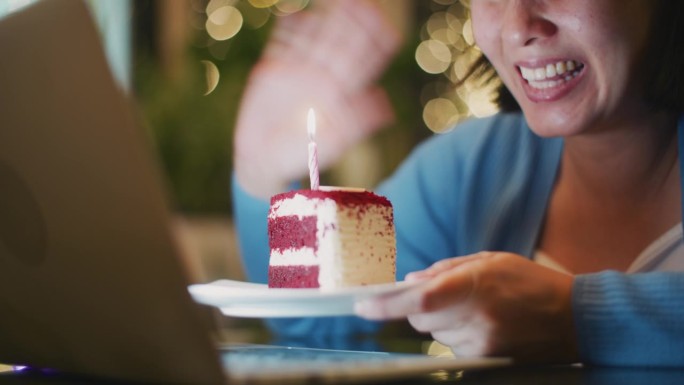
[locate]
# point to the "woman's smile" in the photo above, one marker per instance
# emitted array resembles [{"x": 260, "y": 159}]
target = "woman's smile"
[
  {"x": 573, "y": 66},
  {"x": 549, "y": 80}
]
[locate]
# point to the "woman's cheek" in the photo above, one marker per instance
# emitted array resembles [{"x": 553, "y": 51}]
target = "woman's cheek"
[{"x": 485, "y": 22}]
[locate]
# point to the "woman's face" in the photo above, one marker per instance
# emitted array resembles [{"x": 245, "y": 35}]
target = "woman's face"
[{"x": 572, "y": 65}]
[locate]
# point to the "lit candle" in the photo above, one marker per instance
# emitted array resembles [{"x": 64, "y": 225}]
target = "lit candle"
[{"x": 313, "y": 150}]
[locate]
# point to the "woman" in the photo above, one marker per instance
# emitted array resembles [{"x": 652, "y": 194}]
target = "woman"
[{"x": 578, "y": 196}]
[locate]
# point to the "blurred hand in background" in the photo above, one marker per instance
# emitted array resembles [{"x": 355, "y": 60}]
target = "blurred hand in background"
[{"x": 328, "y": 58}]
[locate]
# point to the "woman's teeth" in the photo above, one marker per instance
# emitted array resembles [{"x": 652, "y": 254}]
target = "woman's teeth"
[{"x": 551, "y": 75}]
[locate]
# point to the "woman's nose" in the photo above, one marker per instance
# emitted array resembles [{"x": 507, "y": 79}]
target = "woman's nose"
[{"x": 524, "y": 23}]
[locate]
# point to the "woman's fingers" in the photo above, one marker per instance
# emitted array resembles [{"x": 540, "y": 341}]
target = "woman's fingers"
[
  {"x": 327, "y": 57},
  {"x": 451, "y": 288},
  {"x": 491, "y": 303},
  {"x": 373, "y": 111},
  {"x": 445, "y": 265},
  {"x": 353, "y": 40},
  {"x": 392, "y": 306},
  {"x": 452, "y": 317}
]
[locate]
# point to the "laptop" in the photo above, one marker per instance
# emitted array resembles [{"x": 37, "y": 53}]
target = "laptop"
[{"x": 91, "y": 277}]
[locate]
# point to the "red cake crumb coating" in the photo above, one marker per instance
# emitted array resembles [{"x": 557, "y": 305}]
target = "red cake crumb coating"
[
  {"x": 292, "y": 276},
  {"x": 291, "y": 232},
  {"x": 341, "y": 197}
]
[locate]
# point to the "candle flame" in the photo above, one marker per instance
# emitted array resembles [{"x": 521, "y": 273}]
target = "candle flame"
[{"x": 311, "y": 124}]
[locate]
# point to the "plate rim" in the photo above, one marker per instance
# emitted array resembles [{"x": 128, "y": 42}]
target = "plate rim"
[{"x": 247, "y": 299}]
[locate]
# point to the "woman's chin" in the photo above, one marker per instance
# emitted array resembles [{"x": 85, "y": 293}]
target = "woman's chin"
[{"x": 548, "y": 124}]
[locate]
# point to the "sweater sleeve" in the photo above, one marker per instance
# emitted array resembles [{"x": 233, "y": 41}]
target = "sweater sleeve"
[
  {"x": 630, "y": 320},
  {"x": 250, "y": 216}
]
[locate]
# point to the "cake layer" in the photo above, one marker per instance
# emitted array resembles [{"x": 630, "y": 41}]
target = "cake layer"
[
  {"x": 361, "y": 250},
  {"x": 291, "y": 232},
  {"x": 293, "y": 276}
]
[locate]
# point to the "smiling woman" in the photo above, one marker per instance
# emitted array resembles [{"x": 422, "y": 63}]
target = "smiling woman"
[
  {"x": 538, "y": 230},
  {"x": 661, "y": 65},
  {"x": 603, "y": 42}
]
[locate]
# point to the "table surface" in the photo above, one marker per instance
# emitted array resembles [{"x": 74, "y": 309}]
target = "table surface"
[
  {"x": 555, "y": 375},
  {"x": 528, "y": 375}
]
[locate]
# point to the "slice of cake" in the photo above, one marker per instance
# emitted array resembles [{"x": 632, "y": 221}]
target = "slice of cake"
[{"x": 330, "y": 238}]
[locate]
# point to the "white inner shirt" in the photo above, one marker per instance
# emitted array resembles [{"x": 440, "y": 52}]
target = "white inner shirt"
[{"x": 664, "y": 254}]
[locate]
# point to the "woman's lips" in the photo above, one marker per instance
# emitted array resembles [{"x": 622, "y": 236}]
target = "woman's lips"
[{"x": 552, "y": 80}]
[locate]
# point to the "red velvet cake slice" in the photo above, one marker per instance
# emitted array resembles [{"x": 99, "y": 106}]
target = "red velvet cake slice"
[{"x": 330, "y": 238}]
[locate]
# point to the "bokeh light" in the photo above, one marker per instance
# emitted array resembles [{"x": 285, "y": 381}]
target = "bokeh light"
[
  {"x": 263, "y": 3},
  {"x": 440, "y": 114},
  {"x": 480, "y": 102},
  {"x": 433, "y": 56},
  {"x": 212, "y": 75},
  {"x": 447, "y": 52},
  {"x": 213, "y": 5},
  {"x": 224, "y": 22},
  {"x": 468, "y": 32},
  {"x": 291, "y": 6}
]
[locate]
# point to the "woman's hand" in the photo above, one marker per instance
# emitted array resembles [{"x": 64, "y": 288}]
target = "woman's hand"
[
  {"x": 488, "y": 304},
  {"x": 329, "y": 59}
]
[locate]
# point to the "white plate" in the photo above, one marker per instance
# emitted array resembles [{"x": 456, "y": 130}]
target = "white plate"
[{"x": 245, "y": 299}]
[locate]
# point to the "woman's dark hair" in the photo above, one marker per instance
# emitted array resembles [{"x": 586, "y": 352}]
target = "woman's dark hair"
[
  {"x": 483, "y": 70},
  {"x": 663, "y": 63},
  {"x": 664, "y": 59}
]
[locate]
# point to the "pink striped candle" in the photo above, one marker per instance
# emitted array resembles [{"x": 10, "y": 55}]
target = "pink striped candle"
[{"x": 313, "y": 150}]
